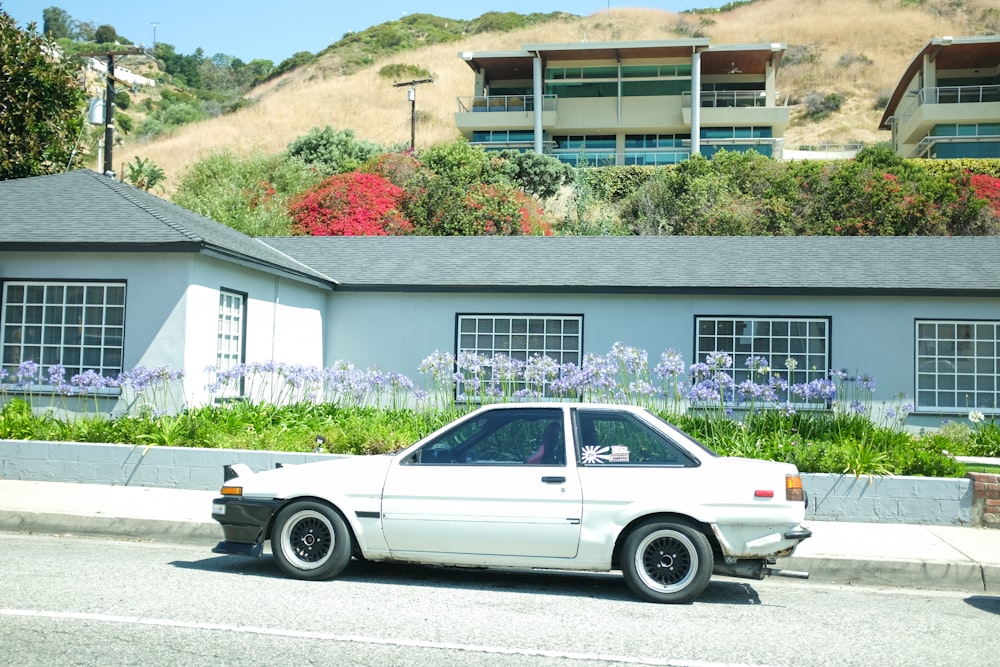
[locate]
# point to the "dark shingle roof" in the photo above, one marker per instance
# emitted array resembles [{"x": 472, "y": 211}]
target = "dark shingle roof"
[
  {"x": 83, "y": 210},
  {"x": 812, "y": 265}
]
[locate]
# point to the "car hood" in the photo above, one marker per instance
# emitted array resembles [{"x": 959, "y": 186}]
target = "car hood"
[{"x": 349, "y": 475}]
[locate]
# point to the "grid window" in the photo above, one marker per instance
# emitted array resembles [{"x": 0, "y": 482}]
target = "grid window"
[
  {"x": 804, "y": 341},
  {"x": 958, "y": 366},
  {"x": 229, "y": 351},
  {"x": 522, "y": 336},
  {"x": 80, "y": 326}
]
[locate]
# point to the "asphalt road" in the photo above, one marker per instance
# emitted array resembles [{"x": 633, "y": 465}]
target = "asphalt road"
[{"x": 86, "y": 601}]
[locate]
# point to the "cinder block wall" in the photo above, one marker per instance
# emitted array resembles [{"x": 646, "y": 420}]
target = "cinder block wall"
[
  {"x": 128, "y": 465},
  {"x": 923, "y": 500}
]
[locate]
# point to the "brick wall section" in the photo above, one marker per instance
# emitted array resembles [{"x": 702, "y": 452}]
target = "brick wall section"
[{"x": 986, "y": 498}]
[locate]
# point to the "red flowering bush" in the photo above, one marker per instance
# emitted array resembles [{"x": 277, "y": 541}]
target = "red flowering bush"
[
  {"x": 351, "y": 204},
  {"x": 987, "y": 188}
]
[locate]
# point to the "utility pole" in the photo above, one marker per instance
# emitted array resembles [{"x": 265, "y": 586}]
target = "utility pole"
[
  {"x": 411, "y": 94},
  {"x": 109, "y": 103}
]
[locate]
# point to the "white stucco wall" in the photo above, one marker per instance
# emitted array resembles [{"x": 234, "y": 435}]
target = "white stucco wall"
[
  {"x": 172, "y": 309},
  {"x": 871, "y": 335}
]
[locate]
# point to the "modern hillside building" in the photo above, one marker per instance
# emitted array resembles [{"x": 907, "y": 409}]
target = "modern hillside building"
[
  {"x": 626, "y": 103},
  {"x": 947, "y": 103}
]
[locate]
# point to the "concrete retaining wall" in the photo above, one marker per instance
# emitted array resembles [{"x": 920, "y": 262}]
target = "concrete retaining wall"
[
  {"x": 923, "y": 500},
  {"x": 918, "y": 500},
  {"x": 127, "y": 465}
]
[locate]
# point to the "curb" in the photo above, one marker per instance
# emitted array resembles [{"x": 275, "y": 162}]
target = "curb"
[
  {"x": 970, "y": 577},
  {"x": 159, "y": 530}
]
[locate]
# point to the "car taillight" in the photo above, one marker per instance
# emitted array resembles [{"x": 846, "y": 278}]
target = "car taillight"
[{"x": 793, "y": 488}]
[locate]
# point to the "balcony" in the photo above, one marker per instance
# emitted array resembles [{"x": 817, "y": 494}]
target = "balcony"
[
  {"x": 502, "y": 112},
  {"x": 946, "y": 104},
  {"x": 504, "y": 103},
  {"x": 737, "y": 107}
]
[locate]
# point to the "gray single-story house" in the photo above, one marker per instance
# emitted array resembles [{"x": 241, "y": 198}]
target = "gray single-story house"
[{"x": 99, "y": 275}]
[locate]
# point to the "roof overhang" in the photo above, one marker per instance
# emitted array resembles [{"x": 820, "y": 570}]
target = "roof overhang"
[
  {"x": 949, "y": 53},
  {"x": 719, "y": 59}
]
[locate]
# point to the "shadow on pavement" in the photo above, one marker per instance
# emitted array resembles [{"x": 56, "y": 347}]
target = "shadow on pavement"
[
  {"x": 603, "y": 585},
  {"x": 990, "y": 603}
]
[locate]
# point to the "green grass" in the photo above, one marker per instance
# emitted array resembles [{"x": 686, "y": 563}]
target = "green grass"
[{"x": 983, "y": 467}]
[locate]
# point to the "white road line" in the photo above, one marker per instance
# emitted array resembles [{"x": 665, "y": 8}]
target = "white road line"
[{"x": 357, "y": 639}]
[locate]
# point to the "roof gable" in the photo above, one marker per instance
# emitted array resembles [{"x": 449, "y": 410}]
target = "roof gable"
[{"x": 83, "y": 210}]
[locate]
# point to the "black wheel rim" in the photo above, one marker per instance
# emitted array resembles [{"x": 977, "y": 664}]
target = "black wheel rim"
[
  {"x": 666, "y": 561},
  {"x": 307, "y": 540}
]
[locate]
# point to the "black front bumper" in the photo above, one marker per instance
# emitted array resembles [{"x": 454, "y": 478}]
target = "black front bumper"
[{"x": 244, "y": 523}]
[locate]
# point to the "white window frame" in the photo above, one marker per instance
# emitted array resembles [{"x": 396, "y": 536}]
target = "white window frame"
[
  {"x": 230, "y": 350},
  {"x": 77, "y": 324},
  {"x": 957, "y": 366},
  {"x": 804, "y": 339},
  {"x": 521, "y": 337}
]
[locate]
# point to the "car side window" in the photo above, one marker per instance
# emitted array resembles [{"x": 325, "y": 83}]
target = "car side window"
[
  {"x": 617, "y": 438},
  {"x": 503, "y": 437}
]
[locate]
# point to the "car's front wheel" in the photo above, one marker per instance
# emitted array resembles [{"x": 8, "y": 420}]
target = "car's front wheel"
[
  {"x": 667, "y": 561},
  {"x": 310, "y": 541}
]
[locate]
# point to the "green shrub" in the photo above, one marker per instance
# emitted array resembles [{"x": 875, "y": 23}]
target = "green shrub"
[
  {"x": 819, "y": 106},
  {"x": 401, "y": 72}
]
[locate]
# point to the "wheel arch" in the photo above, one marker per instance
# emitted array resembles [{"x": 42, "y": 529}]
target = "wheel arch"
[
  {"x": 678, "y": 517},
  {"x": 355, "y": 548}
]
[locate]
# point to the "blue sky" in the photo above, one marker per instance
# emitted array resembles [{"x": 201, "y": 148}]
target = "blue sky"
[{"x": 250, "y": 29}]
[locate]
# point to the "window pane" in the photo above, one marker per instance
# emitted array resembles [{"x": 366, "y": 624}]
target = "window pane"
[
  {"x": 778, "y": 340},
  {"x": 960, "y": 360},
  {"x": 523, "y": 338},
  {"x": 42, "y": 322},
  {"x": 229, "y": 340}
]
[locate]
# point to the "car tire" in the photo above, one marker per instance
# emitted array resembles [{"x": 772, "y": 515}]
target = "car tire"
[
  {"x": 310, "y": 540},
  {"x": 667, "y": 561}
]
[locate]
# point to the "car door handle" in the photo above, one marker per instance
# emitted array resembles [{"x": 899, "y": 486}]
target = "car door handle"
[{"x": 553, "y": 480}]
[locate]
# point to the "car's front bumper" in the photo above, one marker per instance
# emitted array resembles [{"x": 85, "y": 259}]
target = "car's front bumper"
[{"x": 244, "y": 524}]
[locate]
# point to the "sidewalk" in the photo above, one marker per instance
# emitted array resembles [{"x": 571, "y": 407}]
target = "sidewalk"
[{"x": 942, "y": 557}]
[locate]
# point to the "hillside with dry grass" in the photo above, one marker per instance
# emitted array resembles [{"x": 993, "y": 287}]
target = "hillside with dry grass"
[{"x": 856, "y": 48}]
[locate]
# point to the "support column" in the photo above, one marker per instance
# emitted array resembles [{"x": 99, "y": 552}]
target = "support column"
[
  {"x": 536, "y": 89},
  {"x": 696, "y": 103}
]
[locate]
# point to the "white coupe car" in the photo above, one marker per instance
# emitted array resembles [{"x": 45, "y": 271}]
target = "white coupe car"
[{"x": 569, "y": 486}]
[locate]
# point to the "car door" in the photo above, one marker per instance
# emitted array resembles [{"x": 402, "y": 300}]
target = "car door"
[{"x": 473, "y": 490}]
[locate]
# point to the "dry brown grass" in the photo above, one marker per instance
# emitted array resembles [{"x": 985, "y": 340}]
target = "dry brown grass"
[{"x": 880, "y": 30}]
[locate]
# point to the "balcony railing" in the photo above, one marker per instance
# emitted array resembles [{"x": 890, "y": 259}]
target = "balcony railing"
[
  {"x": 728, "y": 98},
  {"x": 929, "y": 143},
  {"x": 504, "y": 103},
  {"x": 948, "y": 95}
]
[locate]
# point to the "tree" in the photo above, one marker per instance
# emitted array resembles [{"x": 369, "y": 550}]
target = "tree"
[
  {"x": 105, "y": 34},
  {"x": 538, "y": 174},
  {"x": 57, "y": 23},
  {"x": 41, "y": 106}
]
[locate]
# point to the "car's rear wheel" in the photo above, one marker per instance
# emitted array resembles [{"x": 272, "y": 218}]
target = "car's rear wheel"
[
  {"x": 310, "y": 541},
  {"x": 667, "y": 561}
]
